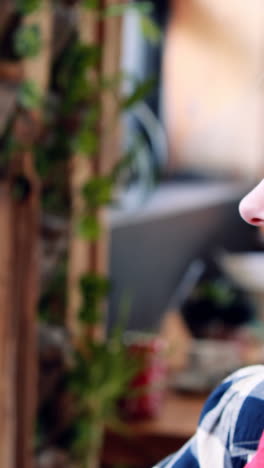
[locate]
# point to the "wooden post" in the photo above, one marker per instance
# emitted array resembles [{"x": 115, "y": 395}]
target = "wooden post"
[
  {"x": 19, "y": 273},
  {"x": 94, "y": 257},
  {"x": 7, "y": 334},
  {"x": 26, "y": 246},
  {"x": 25, "y": 229},
  {"x": 81, "y": 171},
  {"x": 109, "y": 152}
]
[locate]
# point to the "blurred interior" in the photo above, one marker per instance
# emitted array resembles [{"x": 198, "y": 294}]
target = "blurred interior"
[
  {"x": 185, "y": 271},
  {"x": 180, "y": 253},
  {"x": 178, "y": 243},
  {"x": 202, "y": 129}
]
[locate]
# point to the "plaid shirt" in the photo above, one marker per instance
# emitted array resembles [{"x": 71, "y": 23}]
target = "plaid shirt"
[{"x": 230, "y": 426}]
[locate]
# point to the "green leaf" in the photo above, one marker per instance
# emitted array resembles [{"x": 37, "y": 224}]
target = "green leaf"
[
  {"x": 73, "y": 77},
  {"x": 91, "y": 4},
  {"x": 141, "y": 91},
  {"x": 94, "y": 284},
  {"x": 27, "y": 41},
  {"x": 89, "y": 228},
  {"x": 28, "y": 6},
  {"x": 29, "y": 95},
  {"x": 93, "y": 289},
  {"x": 78, "y": 59},
  {"x": 85, "y": 142},
  {"x": 82, "y": 433},
  {"x": 98, "y": 191},
  {"x": 121, "y": 8},
  {"x": 90, "y": 316},
  {"x": 150, "y": 29},
  {"x": 92, "y": 116}
]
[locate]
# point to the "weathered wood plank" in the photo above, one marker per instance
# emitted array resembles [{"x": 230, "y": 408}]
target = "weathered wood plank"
[
  {"x": 110, "y": 67},
  {"x": 81, "y": 170},
  {"x": 110, "y": 133},
  {"x": 26, "y": 223},
  {"x": 7, "y": 334},
  {"x": 25, "y": 228},
  {"x": 94, "y": 257}
]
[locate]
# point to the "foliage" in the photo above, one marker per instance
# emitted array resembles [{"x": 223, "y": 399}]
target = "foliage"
[
  {"x": 27, "y": 41},
  {"x": 101, "y": 375},
  {"x": 141, "y": 90},
  {"x": 98, "y": 191},
  {"x": 85, "y": 142},
  {"x": 217, "y": 291},
  {"x": 29, "y": 95},
  {"x": 72, "y": 77},
  {"x": 89, "y": 227},
  {"x": 101, "y": 370},
  {"x": 150, "y": 29},
  {"x": 28, "y": 6},
  {"x": 91, "y": 4},
  {"x": 53, "y": 299}
]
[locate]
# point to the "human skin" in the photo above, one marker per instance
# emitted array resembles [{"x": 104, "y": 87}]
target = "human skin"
[{"x": 251, "y": 208}]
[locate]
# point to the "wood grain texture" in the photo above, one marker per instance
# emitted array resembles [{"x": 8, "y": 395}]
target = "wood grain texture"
[
  {"x": 110, "y": 134},
  {"x": 80, "y": 259},
  {"x": 79, "y": 252},
  {"x": 93, "y": 257},
  {"x": 25, "y": 229},
  {"x": 25, "y": 226},
  {"x": 7, "y": 334}
]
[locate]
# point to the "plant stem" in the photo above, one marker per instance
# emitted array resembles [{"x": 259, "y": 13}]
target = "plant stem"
[{"x": 94, "y": 448}]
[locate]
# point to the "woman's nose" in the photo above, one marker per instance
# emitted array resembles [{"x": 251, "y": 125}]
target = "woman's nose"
[{"x": 251, "y": 207}]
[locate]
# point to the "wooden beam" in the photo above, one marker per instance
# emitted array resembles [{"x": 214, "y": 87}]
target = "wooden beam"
[
  {"x": 84, "y": 256},
  {"x": 110, "y": 67},
  {"x": 80, "y": 260},
  {"x": 26, "y": 222},
  {"x": 25, "y": 229},
  {"x": 7, "y": 333},
  {"x": 110, "y": 129}
]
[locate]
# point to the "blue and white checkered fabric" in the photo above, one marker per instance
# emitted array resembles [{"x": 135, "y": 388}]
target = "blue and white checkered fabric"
[{"x": 230, "y": 426}]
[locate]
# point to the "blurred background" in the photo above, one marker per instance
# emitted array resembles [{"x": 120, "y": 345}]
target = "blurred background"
[{"x": 129, "y": 285}]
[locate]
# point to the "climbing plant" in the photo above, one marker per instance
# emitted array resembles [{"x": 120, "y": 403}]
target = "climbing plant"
[{"x": 99, "y": 371}]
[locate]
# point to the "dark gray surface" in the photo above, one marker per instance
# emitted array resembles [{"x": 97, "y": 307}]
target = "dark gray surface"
[{"x": 147, "y": 259}]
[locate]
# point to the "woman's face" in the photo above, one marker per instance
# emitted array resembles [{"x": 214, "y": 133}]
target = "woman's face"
[{"x": 252, "y": 206}]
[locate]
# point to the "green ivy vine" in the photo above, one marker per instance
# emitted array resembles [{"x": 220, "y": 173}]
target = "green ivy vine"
[{"x": 100, "y": 370}]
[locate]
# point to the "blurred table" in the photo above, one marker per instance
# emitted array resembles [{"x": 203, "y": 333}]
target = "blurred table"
[{"x": 149, "y": 441}]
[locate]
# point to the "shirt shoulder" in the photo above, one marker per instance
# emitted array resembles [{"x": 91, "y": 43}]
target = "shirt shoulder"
[{"x": 230, "y": 425}]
